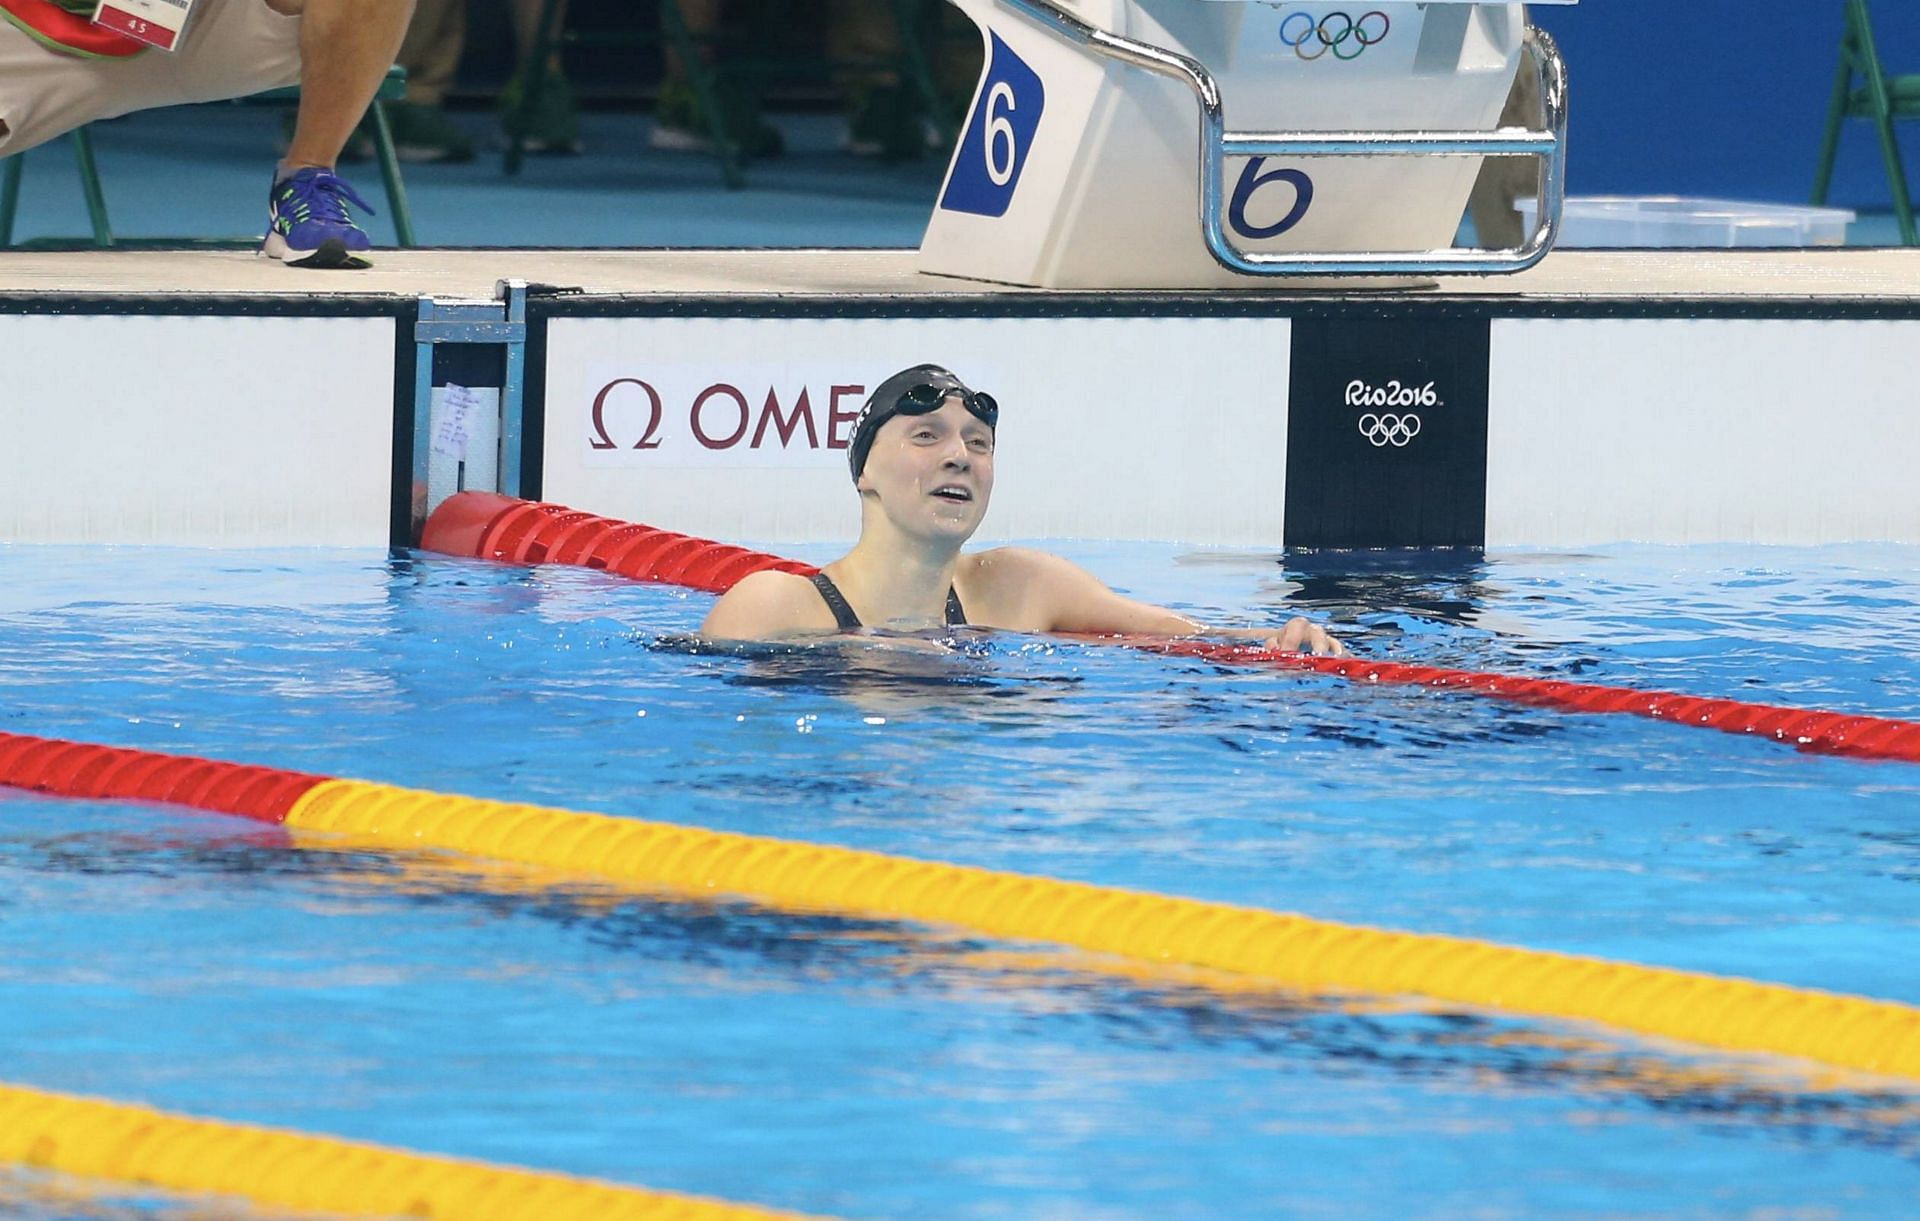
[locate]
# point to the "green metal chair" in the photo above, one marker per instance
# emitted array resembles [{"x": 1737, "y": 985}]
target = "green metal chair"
[
  {"x": 392, "y": 89},
  {"x": 1878, "y": 96}
]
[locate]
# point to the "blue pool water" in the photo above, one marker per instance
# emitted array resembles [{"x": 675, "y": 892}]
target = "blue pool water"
[{"x": 217, "y": 967}]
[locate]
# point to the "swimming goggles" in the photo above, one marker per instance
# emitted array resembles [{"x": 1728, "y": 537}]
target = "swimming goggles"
[{"x": 927, "y": 397}]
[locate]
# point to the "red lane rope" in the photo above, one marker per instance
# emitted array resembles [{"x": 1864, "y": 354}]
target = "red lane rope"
[
  {"x": 487, "y": 526},
  {"x": 1831, "y": 733},
  {"x": 82, "y": 769}
]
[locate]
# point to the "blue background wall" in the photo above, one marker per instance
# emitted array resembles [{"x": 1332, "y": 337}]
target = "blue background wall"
[{"x": 1720, "y": 97}]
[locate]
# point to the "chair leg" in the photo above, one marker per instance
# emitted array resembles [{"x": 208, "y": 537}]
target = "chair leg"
[
  {"x": 390, "y": 174},
  {"x": 1897, "y": 176},
  {"x": 9, "y": 196},
  {"x": 90, "y": 187},
  {"x": 1836, "y": 118}
]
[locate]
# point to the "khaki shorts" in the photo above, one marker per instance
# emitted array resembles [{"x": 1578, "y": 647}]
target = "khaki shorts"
[{"x": 233, "y": 48}]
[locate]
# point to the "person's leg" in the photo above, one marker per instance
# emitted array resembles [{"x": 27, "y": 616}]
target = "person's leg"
[
  {"x": 235, "y": 47},
  {"x": 431, "y": 50},
  {"x": 43, "y": 94},
  {"x": 526, "y": 30},
  {"x": 346, "y": 48},
  {"x": 865, "y": 33},
  {"x": 680, "y": 117},
  {"x": 885, "y": 117},
  {"x": 959, "y": 55},
  {"x": 702, "y": 19},
  {"x": 430, "y": 53},
  {"x": 547, "y": 122}
]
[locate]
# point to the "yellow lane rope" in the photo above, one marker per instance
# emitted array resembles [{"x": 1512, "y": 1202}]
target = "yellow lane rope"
[
  {"x": 1733, "y": 1014},
  {"x": 99, "y": 1139}
]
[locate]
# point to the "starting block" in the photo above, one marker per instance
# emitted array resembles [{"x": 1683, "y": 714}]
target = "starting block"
[{"x": 1097, "y": 153}]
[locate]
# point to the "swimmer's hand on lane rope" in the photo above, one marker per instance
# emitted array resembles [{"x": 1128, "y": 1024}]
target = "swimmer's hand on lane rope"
[
  {"x": 1298, "y": 635},
  {"x": 1303, "y": 635}
]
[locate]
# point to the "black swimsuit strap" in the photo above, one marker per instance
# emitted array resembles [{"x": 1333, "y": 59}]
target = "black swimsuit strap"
[
  {"x": 846, "y": 620},
  {"x": 843, "y": 616}
]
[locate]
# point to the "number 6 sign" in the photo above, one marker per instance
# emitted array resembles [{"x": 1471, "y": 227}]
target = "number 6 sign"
[{"x": 999, "y": 136}]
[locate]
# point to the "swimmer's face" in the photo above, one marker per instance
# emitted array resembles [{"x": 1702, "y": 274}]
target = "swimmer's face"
[{"x": 933, "y": 473}]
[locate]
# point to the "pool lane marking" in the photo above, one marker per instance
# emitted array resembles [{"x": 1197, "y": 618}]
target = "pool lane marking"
[
  {"x": 1292, "y": 950},
  {"x": 279, "y": 1168},
  {"x": 485, "y": 525}
]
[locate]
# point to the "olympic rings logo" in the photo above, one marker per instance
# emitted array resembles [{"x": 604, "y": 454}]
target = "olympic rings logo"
[
  {"x": 1394, "y": 430},
  {"x": 1340, "y": 32}
]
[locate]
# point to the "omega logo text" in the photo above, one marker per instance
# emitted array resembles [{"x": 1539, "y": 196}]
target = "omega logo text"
[{"x": 631, "y": 413}]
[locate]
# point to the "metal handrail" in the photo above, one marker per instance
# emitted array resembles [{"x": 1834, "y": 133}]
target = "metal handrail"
[{"x": 1217, "y": 144}]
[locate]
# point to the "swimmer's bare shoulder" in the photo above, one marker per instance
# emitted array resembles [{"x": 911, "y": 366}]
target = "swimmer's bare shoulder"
[
  {"x": 1023, "y": 590},
  {"x": 765, "y": 606}
]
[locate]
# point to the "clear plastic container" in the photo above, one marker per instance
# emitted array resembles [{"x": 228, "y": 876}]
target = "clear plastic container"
[{"x": 1678, "y": 221}]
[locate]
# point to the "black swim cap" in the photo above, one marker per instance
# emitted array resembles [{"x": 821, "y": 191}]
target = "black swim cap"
[{"x": 884, "y": 403}]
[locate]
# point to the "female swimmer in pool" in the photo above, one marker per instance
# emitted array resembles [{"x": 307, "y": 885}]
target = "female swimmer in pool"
[{"x": 922, "y": 460}]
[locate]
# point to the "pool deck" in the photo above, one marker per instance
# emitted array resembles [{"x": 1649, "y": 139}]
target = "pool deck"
[{"x": 1842, "y": 275}]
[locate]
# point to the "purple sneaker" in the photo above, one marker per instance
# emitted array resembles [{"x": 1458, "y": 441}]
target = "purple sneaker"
[{"x": 310, "y": 224}]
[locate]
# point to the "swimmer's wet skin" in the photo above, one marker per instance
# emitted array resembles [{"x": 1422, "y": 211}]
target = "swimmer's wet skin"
[{"x": 921, "y": 457}]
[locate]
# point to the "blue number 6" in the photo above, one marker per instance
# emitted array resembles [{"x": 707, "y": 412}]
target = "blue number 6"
[{"x": 1251, "y": 180}]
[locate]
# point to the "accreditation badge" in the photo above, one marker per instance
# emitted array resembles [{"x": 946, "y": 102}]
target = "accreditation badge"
[{"x": 158, "y": 23}]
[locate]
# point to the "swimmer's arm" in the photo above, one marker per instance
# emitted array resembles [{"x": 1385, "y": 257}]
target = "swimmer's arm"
[
  {"x": 764, "y": 606},
  {"x": 1068, "y": 598},
  {"x": 1056, "y": 595}
]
